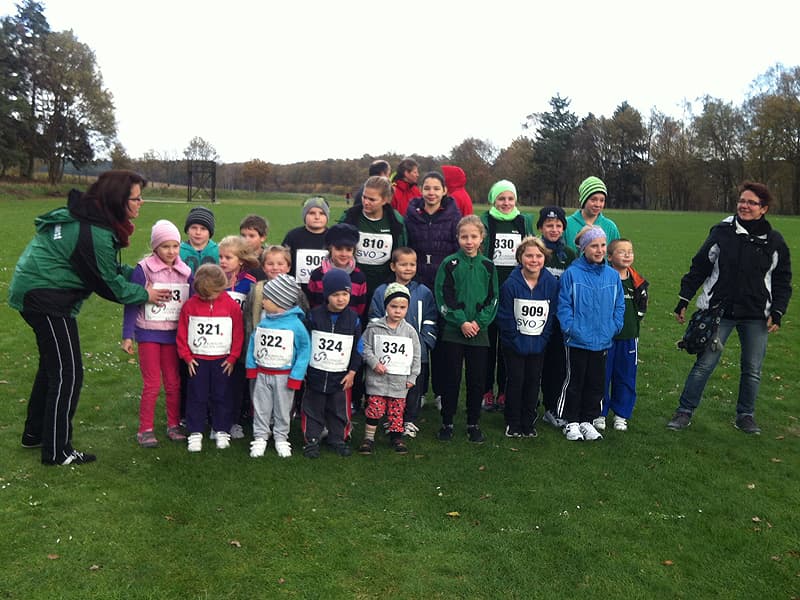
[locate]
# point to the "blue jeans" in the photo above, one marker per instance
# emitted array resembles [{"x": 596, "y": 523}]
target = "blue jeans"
[{"x": 753, "y": 339}]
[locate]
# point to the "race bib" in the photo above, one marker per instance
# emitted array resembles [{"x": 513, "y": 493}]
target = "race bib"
[
  {"x": 308, "y": 260},
  {"x": 170, "y": 310},
  {"x": 210, "y": 336},
  {"x": 395, "y": 352},
  {"x": 374, "y": 248},
  {"x": 330, "y": 351},
  {"x": 505, "y": 247},
  {"x": 238, "y": 297},
  {"x": 531, "y": 315},
  {"x": 273, "y": 348}
]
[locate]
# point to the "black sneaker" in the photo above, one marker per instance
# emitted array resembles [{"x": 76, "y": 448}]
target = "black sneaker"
[
  {"x": 680, "y": 420},
  {"x": 747, "y": 424},
  {"x": 513, "y": 432},
  {"x": 76, "y": 458},
  {"x": 445, "y": 433},
  {"x": 31, "y": 441},
  {"x": 366, "y": 447},
  {"x": 530, "y": 433},
  {"x": 342, "y": 450},
  {"x": 311, "y": 448},
  {"x": 475, "y": 434}
]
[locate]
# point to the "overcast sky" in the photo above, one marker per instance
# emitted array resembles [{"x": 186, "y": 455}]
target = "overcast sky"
[{"x": 288, "y": 81}]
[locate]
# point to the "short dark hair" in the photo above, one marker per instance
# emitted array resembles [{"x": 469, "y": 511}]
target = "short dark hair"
[
  {"x": 400, "y": 251},
  {"x": 256, "y": 223},
  {"x": 379, "y": 167},
  {"x": 759, "y": 189}
]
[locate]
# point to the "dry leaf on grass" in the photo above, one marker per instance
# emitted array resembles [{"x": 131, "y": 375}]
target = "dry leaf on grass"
[
  {"x": 95, "y": 568},
  {"x": 751, "y": 486},
  {"x": 667, "y": 563},
  {"x": 775, "y": 460},
  {"x": 235, "y": 543},
  {"x": 53, "y": 556},
  {"x": 454, "y": 514},
  {"x": 169, "y": 518}
]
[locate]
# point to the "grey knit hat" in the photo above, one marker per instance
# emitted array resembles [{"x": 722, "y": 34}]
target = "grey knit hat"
[
  {"x": 283, "y": 291},
  {"x": 316, "y": 202},
  {"x": 200, "y": 215}
]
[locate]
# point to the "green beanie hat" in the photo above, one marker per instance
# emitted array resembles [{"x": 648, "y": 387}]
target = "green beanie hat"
[
  {"x": 591, "y": 185},
  {"x": 504, "y": 185}
]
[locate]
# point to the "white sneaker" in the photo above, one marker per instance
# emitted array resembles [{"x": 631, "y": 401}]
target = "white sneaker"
[
  {"x": 410, "y": 430},
  {"x": 194, "y": 442},
  {"x": 257, "y": 447},
  {"x": 599, "y": 423},
  {"x": 589, "y": 432},
  {"x": 237, "y": 433},
  {"x": 223, "y": 440},
  {"x": 284, "y": 449},
  {"x": 620, "y": 424},
  {"x": 553, "y": 420},
  {"x": 572, "y": 432},
  {"x": 438, "y": 402}
]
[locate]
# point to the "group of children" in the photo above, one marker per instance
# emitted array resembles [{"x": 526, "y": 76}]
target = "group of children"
[{"x": 270, "y": 331}]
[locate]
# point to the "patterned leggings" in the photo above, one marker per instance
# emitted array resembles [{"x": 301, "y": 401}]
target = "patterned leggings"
[{"x": 393, "y": 408}]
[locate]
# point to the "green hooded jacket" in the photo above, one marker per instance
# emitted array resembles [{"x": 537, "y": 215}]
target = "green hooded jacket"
[{"x": 68, "y": 259}]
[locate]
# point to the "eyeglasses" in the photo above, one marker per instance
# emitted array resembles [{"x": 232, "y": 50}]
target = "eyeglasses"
[{"x": 749, "y": 202}]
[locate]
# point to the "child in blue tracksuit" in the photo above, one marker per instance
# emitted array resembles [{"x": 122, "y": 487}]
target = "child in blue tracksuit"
[
  {"x": 591, "y": 310},
  {"x": 422, "y": 315},
  {"x": 277, "y": 358},
  {"x": 620, "y": 386},
  {"x": 525, "y": 317}
]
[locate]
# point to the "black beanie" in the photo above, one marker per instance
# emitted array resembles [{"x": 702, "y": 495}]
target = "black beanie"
[{"x": 200, "y": 215}]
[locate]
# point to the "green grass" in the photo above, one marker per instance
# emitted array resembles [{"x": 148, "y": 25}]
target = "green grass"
[{"x": 651, "y": 513}]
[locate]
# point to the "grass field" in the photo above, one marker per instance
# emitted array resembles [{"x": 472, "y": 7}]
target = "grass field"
[{"x": 650, "y": 513}]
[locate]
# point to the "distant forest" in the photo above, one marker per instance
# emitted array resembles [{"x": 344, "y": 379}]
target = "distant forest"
[{"x": 56, "y": 116}]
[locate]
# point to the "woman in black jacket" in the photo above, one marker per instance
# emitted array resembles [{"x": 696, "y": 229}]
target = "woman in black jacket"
[{"x": 744, "y": 268}]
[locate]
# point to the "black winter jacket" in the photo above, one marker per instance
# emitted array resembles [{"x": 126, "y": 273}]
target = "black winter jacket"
[{"x": 750, "y": 272}]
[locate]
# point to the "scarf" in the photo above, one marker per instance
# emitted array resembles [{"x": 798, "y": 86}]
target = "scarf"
[
  {"x": 558, "y": 248},
  {"x": 500, "y": 216}
]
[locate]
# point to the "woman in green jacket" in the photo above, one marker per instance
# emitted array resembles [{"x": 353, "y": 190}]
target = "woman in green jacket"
[{"x": 74, "y": 253}]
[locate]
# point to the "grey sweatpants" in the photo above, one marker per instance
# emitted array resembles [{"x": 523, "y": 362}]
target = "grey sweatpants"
[{"x": 272, "y": 401}]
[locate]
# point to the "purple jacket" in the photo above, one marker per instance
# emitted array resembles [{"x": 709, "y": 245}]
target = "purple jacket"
[{"x": 433, "y": 237}]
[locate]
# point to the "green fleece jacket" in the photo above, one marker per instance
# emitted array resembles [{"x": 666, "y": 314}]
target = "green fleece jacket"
[
  {"x": 466, "y": 290},
  {"x": 67, "y": 260}
]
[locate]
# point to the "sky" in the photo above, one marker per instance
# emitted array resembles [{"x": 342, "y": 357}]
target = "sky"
[{"x": 286, "y": 81}]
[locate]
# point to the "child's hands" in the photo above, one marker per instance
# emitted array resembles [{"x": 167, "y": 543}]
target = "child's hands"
[
  {"x": 127, "y": 345},
  {"x": 227, "y": 367},
  {"x": 192, "y": 366},
  {"x": 347, "y": 380},
  {"x": 409, "y": 385},
  {"x": 380, "y": 368},
  {"x": 470, "y": 329}
]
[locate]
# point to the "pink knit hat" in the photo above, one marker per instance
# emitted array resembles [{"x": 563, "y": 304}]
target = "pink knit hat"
[{"x": 164, "y": 231}]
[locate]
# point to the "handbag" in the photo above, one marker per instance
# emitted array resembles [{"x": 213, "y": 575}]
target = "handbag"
[{"x": 701, "y": 332}]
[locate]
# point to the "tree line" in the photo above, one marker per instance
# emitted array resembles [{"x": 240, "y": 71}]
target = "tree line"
[{"x": 55, "y": 112}]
